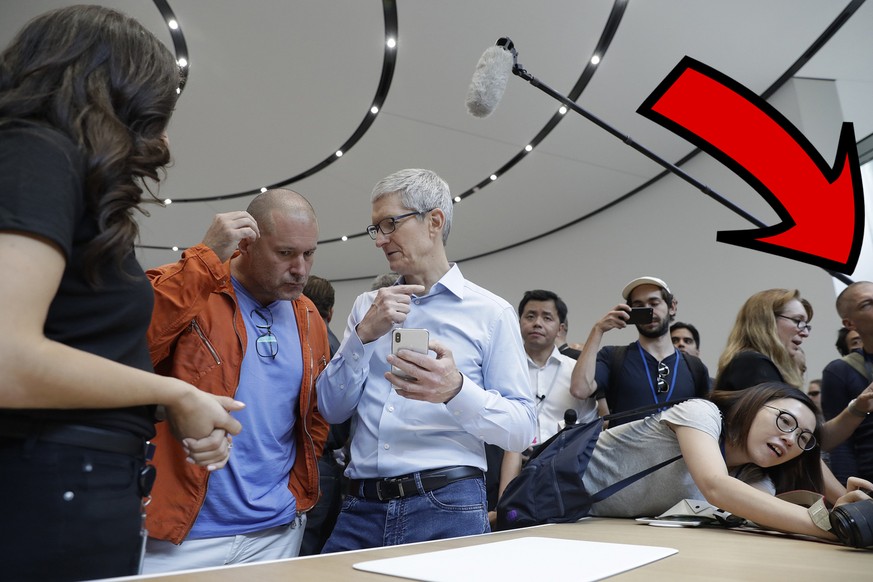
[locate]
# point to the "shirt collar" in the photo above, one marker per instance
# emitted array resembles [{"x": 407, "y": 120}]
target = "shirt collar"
[
  {"x": 554, "y": 358},
  {"x": 453, "y": 282}
]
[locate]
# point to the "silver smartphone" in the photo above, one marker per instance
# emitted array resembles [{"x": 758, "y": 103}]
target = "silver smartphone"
[{"x": 410, "y": 339}]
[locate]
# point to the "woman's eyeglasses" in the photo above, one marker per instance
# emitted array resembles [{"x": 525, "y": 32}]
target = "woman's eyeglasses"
[
  {"x": 787, "y": 423},
  {"x": 801, "y": 324},
  {"x": 266, "y": 345},
  {"x": 663, "y": 372}
]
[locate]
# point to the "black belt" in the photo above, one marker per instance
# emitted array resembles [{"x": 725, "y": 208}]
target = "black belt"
[
  {"x": 406, "y": 486},
  {"x": 89, "y": 437}
]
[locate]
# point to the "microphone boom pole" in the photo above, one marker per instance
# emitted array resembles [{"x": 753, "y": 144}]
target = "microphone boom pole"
[{"x": 519, "y": 71}]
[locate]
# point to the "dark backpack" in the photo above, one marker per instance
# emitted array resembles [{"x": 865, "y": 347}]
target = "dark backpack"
[{"x": 549, "y": 487}]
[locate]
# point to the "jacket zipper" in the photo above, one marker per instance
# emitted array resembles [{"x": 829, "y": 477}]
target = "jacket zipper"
[
  {"x": 196, "y": 327},
  {"x": 307, "y": 407}
]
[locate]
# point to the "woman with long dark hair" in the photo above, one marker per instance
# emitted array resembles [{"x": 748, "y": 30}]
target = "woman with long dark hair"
[{"x": 86, "y": 94}]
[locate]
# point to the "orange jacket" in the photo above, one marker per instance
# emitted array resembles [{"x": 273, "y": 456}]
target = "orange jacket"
[{"x": 197, "y": 334}]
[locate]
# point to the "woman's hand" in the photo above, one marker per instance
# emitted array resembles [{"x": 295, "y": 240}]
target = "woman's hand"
[
  {"x": 858, "y": 490},
  {"x": 197, "y": 414}
]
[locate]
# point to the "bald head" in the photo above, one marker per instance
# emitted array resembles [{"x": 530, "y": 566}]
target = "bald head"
[
  {"x": 275, "y": 266},
  {"x": 267, "y": 206},
  {"x": 847, "y": 300}
]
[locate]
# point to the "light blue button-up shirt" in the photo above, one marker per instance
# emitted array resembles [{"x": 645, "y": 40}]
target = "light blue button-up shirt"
[{"x": 393, "y": 435}]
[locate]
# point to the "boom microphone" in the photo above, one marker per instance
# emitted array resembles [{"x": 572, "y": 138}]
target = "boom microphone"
[
  {"x": 489, "y": 84},
  {"x": 489, "y": 79}
]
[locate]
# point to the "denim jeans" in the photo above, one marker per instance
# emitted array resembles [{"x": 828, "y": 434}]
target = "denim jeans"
[
  {"x": 458, "y": 509},
  {"x": 67, "y": 513}
]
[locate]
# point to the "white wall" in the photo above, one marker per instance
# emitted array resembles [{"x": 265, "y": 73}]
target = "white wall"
[{"x": 668, "y": 231}]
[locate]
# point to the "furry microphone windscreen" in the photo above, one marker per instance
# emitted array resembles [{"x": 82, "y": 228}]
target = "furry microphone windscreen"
[{"x": 489, "y": 81}]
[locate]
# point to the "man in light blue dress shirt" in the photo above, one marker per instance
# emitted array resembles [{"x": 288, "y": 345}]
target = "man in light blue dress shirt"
[{"x": 418, "y": 446}]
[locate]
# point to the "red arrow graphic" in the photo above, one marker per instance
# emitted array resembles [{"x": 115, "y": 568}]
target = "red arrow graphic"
[{"x": 821, "y": 208}]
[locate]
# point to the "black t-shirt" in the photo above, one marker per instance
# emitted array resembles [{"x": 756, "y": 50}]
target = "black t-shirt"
[
  {"x": 748, "y": 369},
  {"x": 42, "y": 177},
  {"x": 840, "y": 384},
  {"x": 636, "y": 380}
]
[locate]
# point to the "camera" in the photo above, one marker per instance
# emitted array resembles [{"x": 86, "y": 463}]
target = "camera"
[
  {"x": 852, "y": 523},
  {"x": 640, "y": 316}
]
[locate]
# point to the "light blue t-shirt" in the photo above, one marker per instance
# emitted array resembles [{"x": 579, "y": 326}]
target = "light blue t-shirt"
[{"x": 251, "y": 492}]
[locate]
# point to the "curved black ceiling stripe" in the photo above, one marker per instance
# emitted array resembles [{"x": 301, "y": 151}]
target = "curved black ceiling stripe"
[
  {"x": 391, "y": 29},
  {"x": 609, "y": 30},
  {"x": 819, "y": 42},
  {"x": 179, "y": 45},
  {"x": 389, "y": 10}
]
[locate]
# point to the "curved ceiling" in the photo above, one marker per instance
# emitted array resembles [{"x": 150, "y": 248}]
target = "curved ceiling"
[{"x": 277, "y": 87}]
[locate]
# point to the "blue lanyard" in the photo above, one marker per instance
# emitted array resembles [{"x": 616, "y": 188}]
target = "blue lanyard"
[{"x": 649, "y": 374}]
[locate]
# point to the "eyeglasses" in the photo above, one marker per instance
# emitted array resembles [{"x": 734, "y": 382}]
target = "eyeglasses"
[
  {"x": 266, "y": 345},
  {"x": 663, "y": 372},
  {"x": 389, "y": 225},
  {"x": 787, "y": 423},
  {"x": 801, "y": 325}
]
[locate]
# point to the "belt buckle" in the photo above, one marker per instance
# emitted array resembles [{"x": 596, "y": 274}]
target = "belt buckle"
[{"x": 394, "y": 480}]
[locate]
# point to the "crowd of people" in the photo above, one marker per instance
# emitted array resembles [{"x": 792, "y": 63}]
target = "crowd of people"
[{"x": 212, "y": 391}]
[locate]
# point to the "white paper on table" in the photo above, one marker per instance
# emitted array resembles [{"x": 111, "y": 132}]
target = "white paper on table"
[{"x": 523, "y": 559}]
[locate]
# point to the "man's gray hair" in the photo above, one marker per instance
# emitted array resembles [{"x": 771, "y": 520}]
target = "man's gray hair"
[{"x": 419, "y": 190}]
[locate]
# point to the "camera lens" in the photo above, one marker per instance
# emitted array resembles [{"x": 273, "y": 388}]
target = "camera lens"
[
  {"x": 852, "y": 523},
  {"x": 397, "y": 337}
]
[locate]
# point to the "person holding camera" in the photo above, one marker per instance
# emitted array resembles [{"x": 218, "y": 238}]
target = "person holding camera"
[
  {"x": 422, "y": 438},
  {"x": 648, "y": 371}
]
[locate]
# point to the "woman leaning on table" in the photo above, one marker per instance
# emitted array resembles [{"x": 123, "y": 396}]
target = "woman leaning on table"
[
  {"x": 85, "y": 98},
  {"x": 736, "y": 448},
  {"x": 769, "y": 330}
]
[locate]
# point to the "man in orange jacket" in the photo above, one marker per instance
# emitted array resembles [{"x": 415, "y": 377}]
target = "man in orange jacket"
[{"x": 230, "y": 318}]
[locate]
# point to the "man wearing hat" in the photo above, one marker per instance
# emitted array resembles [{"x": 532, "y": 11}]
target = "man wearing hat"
[{"x": 648, "y": 371}]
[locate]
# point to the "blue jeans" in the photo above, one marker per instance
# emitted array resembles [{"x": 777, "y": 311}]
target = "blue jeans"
[{"x": 458, "y": 509}]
